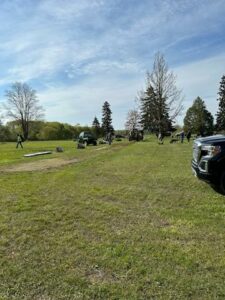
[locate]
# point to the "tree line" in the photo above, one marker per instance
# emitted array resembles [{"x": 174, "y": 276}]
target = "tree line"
[
  {"x": 26, "y": 114},
  {"x": 41, "y": 130},
  {"x": 159, "y": 104}
]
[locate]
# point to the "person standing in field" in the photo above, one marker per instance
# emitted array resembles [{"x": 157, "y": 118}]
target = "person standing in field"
[
  {"x": 182, "y": 137},
  {"x": 160, "y": 138},
  {"x": 19, "y": 141},
  {"x": 188, "y": 136},
  {"x": 109, "y": 138}
]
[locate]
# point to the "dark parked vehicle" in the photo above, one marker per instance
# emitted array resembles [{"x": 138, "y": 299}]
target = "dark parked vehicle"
[
  {"x": 208, "y": 161},
  {"x": 119, "y": 136},
  {"x": 86, "y": 138},
  {"x": 136, "y": 135}
]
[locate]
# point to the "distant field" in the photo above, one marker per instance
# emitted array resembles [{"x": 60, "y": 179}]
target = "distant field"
[{"x": 122, "y": 222}]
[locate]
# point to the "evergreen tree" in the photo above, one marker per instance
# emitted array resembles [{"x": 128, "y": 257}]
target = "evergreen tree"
[
  {"x": 147, "y": 109},
  {"x": 198, "y": 119},
  {"x": 96, "y": 127},
  {"x": 154, "y": 112},
  {"x": 107, "y": 119},
  {"x": 220, "y": 120},
  {"x": 161, "y": 102},
  {"x": 96, "y": 123}
]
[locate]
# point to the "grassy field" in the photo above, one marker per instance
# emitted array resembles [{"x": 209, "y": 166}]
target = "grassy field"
[{"x": 122, "y": 222}]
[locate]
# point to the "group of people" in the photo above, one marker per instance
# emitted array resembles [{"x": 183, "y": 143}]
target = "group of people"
[
  {"x": 180, "y": 135},
  {"x": 160, "y": 137}
]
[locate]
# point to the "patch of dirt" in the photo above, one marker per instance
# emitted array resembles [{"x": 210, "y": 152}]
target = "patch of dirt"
[
  {"x": 97, "y": 276},
  {"x": 39, "y": 165},
  {"x": 101, "y": 148}
]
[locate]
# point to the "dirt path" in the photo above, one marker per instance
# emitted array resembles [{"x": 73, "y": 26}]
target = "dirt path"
[{"x": 39, "y": 165}]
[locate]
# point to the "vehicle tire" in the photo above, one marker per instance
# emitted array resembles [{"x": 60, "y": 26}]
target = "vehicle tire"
[
  {"x": 222, "y": 182},
  {"x": 95, "y": 143}
]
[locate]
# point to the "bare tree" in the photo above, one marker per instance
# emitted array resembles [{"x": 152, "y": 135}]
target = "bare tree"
[
  {"x": 167, "y": 102},
  {"x": 23, "y": 105},
  {"x": 133, "y": 120}
]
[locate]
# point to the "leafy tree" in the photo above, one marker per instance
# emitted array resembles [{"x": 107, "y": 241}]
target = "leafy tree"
[
  {"x": 161, "y": 102},
  {"x": 23, "y": 105},
  {"x": 35, "y": 129},
  {"x": 107, "y": 118},
  {"x": 96, "y": 127},
  {"x": 56, "y": 131},
  {"x": 220, "y": 120},
  {"x": 198, "y": 119},
  {"x": 68, "y": 132},
  {"x": 5, "y": 134}
]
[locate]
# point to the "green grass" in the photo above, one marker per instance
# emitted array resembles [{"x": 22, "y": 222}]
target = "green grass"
[{"x": 126, "y": 222}]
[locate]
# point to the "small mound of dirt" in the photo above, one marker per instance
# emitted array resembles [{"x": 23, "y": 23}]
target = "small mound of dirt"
[
  {"x": 39, "y": 165},
  {"x": 102, "y": 148}
]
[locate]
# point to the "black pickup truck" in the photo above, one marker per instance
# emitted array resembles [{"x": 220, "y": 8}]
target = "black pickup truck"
[{"x": 208, "y": 161}]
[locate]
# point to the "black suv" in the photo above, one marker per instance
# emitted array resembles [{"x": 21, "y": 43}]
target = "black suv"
[
  {"x": 208, "y": 161},
  {"x": 86, "y": 138}
]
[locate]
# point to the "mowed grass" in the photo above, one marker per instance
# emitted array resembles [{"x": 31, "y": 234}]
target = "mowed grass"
[{"x": 126, "y": 222}]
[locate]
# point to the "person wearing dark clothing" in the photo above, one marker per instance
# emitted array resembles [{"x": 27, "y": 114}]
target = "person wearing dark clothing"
[
  {"x": 19, "y": 141},
  {"x": 188, "y": 136},
  {"x": 182, "y": 137}
]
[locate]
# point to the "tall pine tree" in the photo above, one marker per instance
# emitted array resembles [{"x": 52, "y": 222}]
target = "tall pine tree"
[
  {"x": 154, "y": 111},
  {"x": 162, "y": 101},
  {"x": 96, "y": 127},
  {"x": 107, "y": 118},
  {"x": 220, "y": 120},
  {"x": 147, "y": 110}
]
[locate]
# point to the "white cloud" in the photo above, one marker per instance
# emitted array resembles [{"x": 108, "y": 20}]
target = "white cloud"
[
  {"x": 80, "y": 103},
  {"x": 107, "y": 67}
]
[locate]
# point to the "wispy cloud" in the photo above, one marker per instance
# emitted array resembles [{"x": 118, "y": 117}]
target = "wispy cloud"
[
  {"x": 80, "y": 103},
  {"x": 66, "y": 10}
]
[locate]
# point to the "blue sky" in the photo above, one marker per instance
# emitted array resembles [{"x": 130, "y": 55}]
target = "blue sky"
[{"x": 78, "y": 54}]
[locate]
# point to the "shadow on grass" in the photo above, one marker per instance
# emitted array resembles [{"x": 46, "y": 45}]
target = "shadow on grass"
[{"x": 217, "y": 189}]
